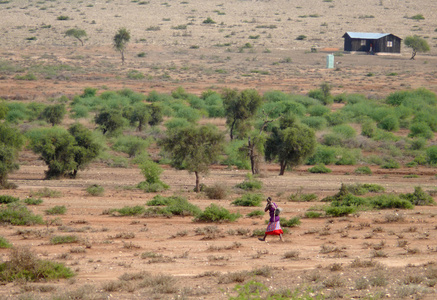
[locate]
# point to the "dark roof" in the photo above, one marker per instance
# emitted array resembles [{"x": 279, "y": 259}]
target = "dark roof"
[{"x": 365, "y": 35}]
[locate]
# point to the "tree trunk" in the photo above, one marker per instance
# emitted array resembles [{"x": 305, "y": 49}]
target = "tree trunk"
[
  {"x": 197, "y": 182},
  {"x": 413, "y": 55},
  {"x": 140, "y": 126},
  {"x": 231, "y": 130},
  {"x": 122, "y": 57},
  {"x": 283, "y": 166}
]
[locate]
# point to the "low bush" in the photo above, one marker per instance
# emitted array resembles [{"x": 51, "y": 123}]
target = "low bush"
[
  {"x": 217, "y": 191},
  {"x": 390, "y": 164},
  {"x": 17, "y": 214},
  {"x": 95, "y": 190},
  {"x": 4, "y": 243},
  {"x": 64, "y": 239},
  {"x": 174, "y": 205},
  {"x": 23, "y": 264},
  {"x": 255, "y": 213},
  {"x": 339, "y": 211},
  {"x": 33, "y": 201},
  {"x": 320, "y": 168},
  {"x": 390, "y": 201},
  {"x": 249, "y": 200},
  {"x": 363, "y": 171},
  {"x": 214, "y": 213},
  {"x": 129, "y": 210},
  {"x": 46, "y": 192},
  {"x": 292, "y": 222},
  {"x": 250, "y": 184},
  {"x": 419, "y": 197},
  {"x": 5, "y": 199},
  {"x": 56, "y": 210},
  {"x": 312, "y": 214}
]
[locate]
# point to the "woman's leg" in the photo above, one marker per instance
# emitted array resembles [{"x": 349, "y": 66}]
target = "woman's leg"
[{"x": 264, "y": 238}]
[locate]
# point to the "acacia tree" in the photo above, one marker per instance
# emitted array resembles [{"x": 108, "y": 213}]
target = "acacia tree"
[
  {"x": 109, "y": 120},
  {"x": 194, "y": 148},
  {"x": 86, "y": 148},
  {"x": 416, "y": 43},
  {"x": 76, "y": 33},
  {"x": 290, "y": 143},
  {"x": 57, "y": 149},
  {"x": 121, "y": 38},
  {"x": 239, "y": 109},
  {"x": 54, "y": 114},
  {"x": 11, "y": 142}
]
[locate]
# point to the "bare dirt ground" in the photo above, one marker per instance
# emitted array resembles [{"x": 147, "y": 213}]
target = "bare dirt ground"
[{"x": 213, "y": 56}]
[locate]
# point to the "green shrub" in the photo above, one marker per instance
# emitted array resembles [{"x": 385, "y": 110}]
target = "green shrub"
[
  {"x": 348, "y": 156},
  {"x": 431, "y": 153},
  {"x": 419, "y": 197},
  {"x": 312, "y": 214},
  {"x": 79, "y": 111},
  {"x": 249, "y": 200},
  {"x": 292, "y": 222},
  {"x": 63, "y": 18},
  {"x": 390, "y": 201},
  {"x": 319, "y": 168},
  {"x": 174, "y": 205},
  {"x": 28, "y": 76},
  {"x": 418, "y": 144},
  {"x": 17, "y": 214},
  {"x": 365, "y": 170},
  {"x": 5, "y": 199},
  {"x": 250, "y": 184},
  {"x": 209, "y": 21},
  {"x": 339, "y": 211},
  {"x": 151, "y": 172},
  {"x": 318, "y": 110},
  {"x": 368, "y": 128},
  {"x": 131, "y": 145},
  {"x": 4, "y": 243},
  {"x": 95, "y": 190},
  {"x": 234, "y": 157},
  {"x": 24, "y": 265},
  {"x": 390, "y": 164},
  {"x": 33, "y": 201},
  {"x": 255, "y": 213},
  {"x": 129, "y": 210},
  {"x": 389, "y": 123},
  {"x": 217, "y": 191},
  {"x": 214, "y": 213},
  {"x": 135, "y": 75},
  {"x": 56, "y": 210},
  {"x": 421, "y": 130},
  {"x": 64, "y": 239},
  {"x": 345, "y": 131},
  {"x": 323, "y": 155},
  {"x": 301, "y": 37},
  {"x": 317, "y": 123}
]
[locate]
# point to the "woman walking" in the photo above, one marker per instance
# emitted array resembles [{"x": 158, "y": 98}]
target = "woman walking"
[{"x": 274, "y": 227}]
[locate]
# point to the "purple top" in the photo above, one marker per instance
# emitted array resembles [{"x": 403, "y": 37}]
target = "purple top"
[{"x": 272, "y": 209}]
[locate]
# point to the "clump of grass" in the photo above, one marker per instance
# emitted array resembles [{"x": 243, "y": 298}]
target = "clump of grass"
[
  {"x": 46, "y": 192},
  {"x": 4, "y": 243},
  {"x": 301, "y": 197},
  {"x": 292, "y": 222},
  {"x": 319, "y": 168},
  {"x": 95, "y": 190},
  {"x": 294, "y": 254},
  {"x": 312, "y": 214},
  {"x": 249, "y": 200},
  {"x": 64, "y": 239},
  {"x": 174, "y": 205},
  {"x": 250, "y": 184},
  {"x": 24, "y": 264},
  {"x": 33, "y": 201},
  {"x": 214, "y": 213},
  {"x": 17, "y": 214},
  {"x": 363, "y": 171},
  {"x": 5, "y": 199},
  {"x": 127, "y": 211},
  {"x": 56, "y": 210},
  {"x": 255, "y": 213}
]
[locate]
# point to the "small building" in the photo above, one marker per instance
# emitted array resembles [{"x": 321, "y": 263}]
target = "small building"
[{"x": 372, "y": 42}]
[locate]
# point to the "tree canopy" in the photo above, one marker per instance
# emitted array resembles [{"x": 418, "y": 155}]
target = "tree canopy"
[
  {"x": 290, "y": 143},
  {"x": 76, "y": 33},
  {"x": 194, "y": 148},
  {"x": 416, "y": 43},
  {"x": 239, "y": 109},
  {"x": 54, "y": 114}
]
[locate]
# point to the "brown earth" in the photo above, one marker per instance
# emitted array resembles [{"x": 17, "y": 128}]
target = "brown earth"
[{"x": 212, "y": 56}]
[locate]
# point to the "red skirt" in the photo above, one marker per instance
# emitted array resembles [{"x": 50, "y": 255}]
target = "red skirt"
[{"x": 274, "y": 228}]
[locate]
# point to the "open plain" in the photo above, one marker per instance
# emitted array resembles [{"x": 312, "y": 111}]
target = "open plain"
[{"x": 373, "y": 254}]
